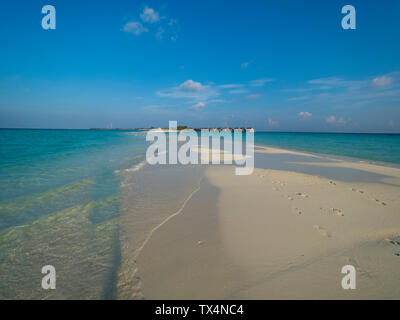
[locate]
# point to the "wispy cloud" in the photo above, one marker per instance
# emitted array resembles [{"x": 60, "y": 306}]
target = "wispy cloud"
[
  {"x": 135, "y": 28},
  {"x": 198, "y": 106},
  {"x": 230, "y": 86},
  {"x": 172, "y": 22},
  {"x": 261, "y": 82},
  {"x": 300, "y": 98},
  {"x": 336, "y": 91},
  {"x": 338, "y": 83},
  {"x": 217, "y": 101},
  {"x": 245, "y": 64},
  {"x": 253, "y": 96},
  {"x": 308, "y": 89},
  {"x": 172, "y": 29},
  {"x": 239, "y": 91},
  {"x": 160, "y": 33},
  {"x": 330, "y": 81}
]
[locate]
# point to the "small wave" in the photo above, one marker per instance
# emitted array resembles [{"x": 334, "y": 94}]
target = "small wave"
[
  {"x": 136, "y": 133},
  {"x": 139, "y": 166}
]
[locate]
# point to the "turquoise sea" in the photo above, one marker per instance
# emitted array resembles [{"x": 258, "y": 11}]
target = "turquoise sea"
[
  {"x": 60, "y": 204},
  {"x": 60, "y": 200},
  {"x": 373, "y": 147}
]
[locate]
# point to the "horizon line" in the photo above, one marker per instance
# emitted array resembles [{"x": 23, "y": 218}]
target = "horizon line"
[{"x": 130, "y": 129}]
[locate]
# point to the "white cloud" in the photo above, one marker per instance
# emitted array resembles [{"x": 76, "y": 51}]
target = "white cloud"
[
  {"x": 190, "y": 90},
  {"x": 168, "y": 27},
  {"x": 190, "y": 85},
  {"x": 334, "y": 120},
  {"x": 149, "y": 15},
  {"x": 305, "y": 115},
  {"x": 382, "y": 82},
  {"x": 253, "y": 96},
  {"x": 272, "y": 122},
  {"x": 198, "y": 106},
  {"x": 135, "y": 28},
  {"x": 260, "y": 82}
]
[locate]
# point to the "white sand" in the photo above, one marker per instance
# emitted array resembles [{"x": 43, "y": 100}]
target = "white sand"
[
  {"x": 270, "y": 150},
  {"x": 277, "y": 235}
]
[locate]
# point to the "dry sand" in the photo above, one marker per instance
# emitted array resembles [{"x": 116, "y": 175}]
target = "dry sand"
[{"x": 277, "y": 235}]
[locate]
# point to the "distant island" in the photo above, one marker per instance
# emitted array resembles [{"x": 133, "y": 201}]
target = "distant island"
[{"x": 179, "y": 128}]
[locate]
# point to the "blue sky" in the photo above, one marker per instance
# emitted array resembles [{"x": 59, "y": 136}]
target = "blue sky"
[{"x": 274, "y": 65}]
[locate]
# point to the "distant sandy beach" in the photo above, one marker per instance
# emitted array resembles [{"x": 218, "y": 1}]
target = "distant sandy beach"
[{"x": 278, "y": 234}]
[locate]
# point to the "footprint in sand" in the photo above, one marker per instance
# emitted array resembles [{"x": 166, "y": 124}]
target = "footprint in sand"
[
  {"x": 322, "y": 231},
  {"x": 380, "y": 202},
  {"x": 377, "y": 201},
  {"x": 394, "y": 242},
  {"x": 296, "y": 210},
  {"x": 361, "y": 271},
  {"x": 301, "y": 194},
  {"x": 356, "y": 190},
  {"x": 338, "y": 212}
]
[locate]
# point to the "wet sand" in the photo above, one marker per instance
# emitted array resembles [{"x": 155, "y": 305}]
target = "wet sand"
[{"x": 280, "y": 234}]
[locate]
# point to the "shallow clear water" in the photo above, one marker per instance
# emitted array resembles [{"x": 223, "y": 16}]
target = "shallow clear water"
[
  {"x": 375, "y": 147},
  {"x": 45, "y": 171},
  {"x": 60, "y": 205}
]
